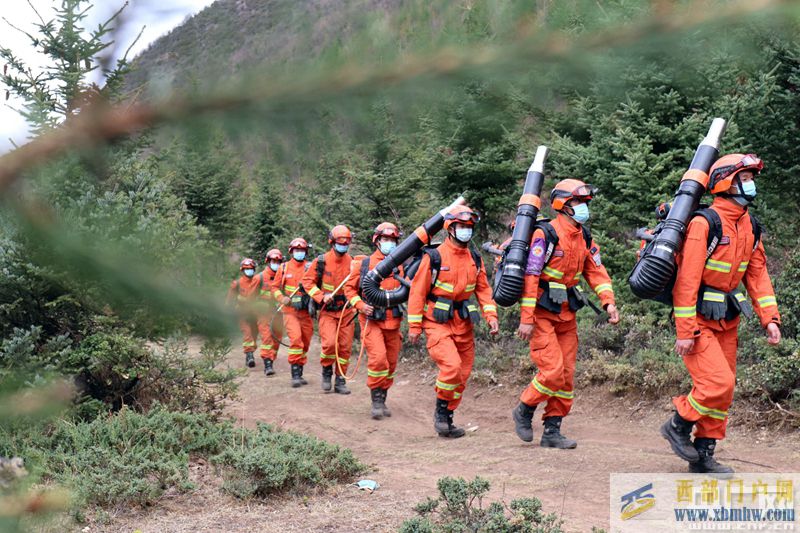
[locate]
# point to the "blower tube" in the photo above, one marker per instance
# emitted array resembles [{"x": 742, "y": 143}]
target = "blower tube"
[
  {"x": 371, "y": 284},
  {"x": 656, "y": 268},
  {"x": 510, "y": 279}
]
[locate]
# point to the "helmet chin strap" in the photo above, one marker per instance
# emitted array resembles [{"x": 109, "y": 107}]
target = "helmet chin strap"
[{"x": 737, "y": 182}]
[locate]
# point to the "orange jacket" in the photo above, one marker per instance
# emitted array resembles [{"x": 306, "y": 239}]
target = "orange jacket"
[
  {"x": 570, "y": 261},
  {"x": 732, "y": 262},
  {"x": 351, "y": 288},
  {"x": 457, "y": 280},
  {"x": 267, "y": 277},
  {"x": 287, "y": 280},
  {"x": 337, "y": 267},
  {"x": 244, "y": 290}
]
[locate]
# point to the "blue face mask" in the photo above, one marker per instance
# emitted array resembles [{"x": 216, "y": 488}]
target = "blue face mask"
[
  {"x": 748, "y": 188},
  {"x": 463, "y": 234},
  {"x": 249, "y": 272},
  {"x": 581, "y": 213},
  {"x": 274, "y": 266},
  {"x": 341, "y": 248},
  {"x": 387, "y": 247},
  {"x": 299, "y": 255}
]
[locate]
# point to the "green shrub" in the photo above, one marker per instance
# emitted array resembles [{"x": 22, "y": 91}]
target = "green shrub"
[
  {"x": 270, "y": 461},
  {"x": 459, "y": 507}
]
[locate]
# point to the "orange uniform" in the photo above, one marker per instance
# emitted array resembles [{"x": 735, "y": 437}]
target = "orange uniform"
[
  {"x": 712, "y": 361},
  {"x": 337, "y": 267},
  {"x": 245, "y": 290},
  {"x": 451, "y": 344},
  {"x": 269, "y": 344},
  {"x": 296, "y": 320},
  {"x": 381, "y": 338},
  {"x": 554, "y": 343}
]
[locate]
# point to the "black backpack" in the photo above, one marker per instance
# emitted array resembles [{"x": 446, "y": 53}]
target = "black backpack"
[
  {"x": 436, "y": 262},
  {"x": 712, "y": 241}
]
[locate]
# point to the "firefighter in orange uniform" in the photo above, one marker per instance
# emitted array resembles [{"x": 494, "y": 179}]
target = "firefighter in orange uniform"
[
  {"x": 439, "y": 304},
  {"x": 297, "y": 322},
  {"x": 380, "y": 326},
  {"x": 269, "y": 345},
  {"x": 707, "y": 304},
  {"x": 324, "y": 276},
  {"x": 245, "y": 291},
  {"x": 562, "y": 251}
]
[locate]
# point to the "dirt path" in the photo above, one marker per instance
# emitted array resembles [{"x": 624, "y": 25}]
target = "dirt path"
[{"x": 408, "y": 458}]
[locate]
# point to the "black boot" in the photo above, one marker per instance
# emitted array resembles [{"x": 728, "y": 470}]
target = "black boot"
[
  {"x": 340, "y": 387},
  {"x": 523, "y": 421},
  {"x": 707, "y": 464},
  {"x": 249, "y": 360},
  {"x": 296, "y": 372},
  {"x": 443, "y": 421},
  {"x": 377, "y": 404},
  {"x": 300, "y": 373},
  {"x": 327, "y": 374},
  {"x": 386, "y": 411},
  {"x": 268, "y": 370},
  {"x": 678, "y": 433},
  {"x": 552, "y": 437}
]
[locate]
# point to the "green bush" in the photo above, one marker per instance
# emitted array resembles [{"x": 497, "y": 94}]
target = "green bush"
[
  {"x": 132, "y": 457},
  {"x": 270, "y": 461},
  {"x": 459, "y": 508}
]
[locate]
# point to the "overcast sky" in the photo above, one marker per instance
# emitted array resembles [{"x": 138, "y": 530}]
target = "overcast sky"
[{"x": 156, "y": 16}]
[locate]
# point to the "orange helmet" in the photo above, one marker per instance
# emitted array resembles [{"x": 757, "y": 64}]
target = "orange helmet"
[
  {"x": 247, "y": 263},
  {"x": 340, "y": 234},
  {"x": 725, "y": 169},
  {"x": 299, "y": 244},
  {"x": 274, "y": 254},
  {"x": 386, "y": 229},
  {"x": 461, "y": 214},
  {"x": 566, "y": 190}
]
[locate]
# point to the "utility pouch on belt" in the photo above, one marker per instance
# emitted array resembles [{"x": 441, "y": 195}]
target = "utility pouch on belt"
[
  {"x": 717, "y": 305},
  {"x": 337, "y": 304},
  {"x": 378, "y": 313},
  {"x": 576, "y": 298},
  {"x": 467, "y": 309},
  {"x": 442, "y": 309},
  {"x": 313, "y": 307},
  {"x": 300, "y": 301},
  {"x": 548, "y": 301}
]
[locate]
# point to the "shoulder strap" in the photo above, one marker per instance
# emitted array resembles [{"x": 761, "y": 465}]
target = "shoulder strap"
[
  {"x": 436, "y": 263},
  {"x": 363, "y": 273},
  {"x": 320, "y": 267},
  {"x": 476, "y": 258},
  {"x": 714, "y": 228},
  {"x": 756, "y": 229},
  {"x": 550, "y": 237},
  {"x": 587, "y": 237}
]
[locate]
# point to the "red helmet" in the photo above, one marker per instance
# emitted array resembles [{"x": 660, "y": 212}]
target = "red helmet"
[
  {"x": 386, "y": 229},
  {"x": 725, "y": 169},
  {"x": 340, "y": 234},
  {"x": 298, "y": 244},
  {"x": 461, "y": 214},
  {"x": 566, "y": 190},
  {"x": 247, "y": 263},
  {"x": 274, "y": 254}
]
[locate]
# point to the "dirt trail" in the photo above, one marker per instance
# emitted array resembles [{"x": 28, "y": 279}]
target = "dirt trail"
[{"x": 408, "y": 458}]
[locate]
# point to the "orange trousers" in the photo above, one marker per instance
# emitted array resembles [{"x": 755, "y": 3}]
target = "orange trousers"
[
  {"x": 299, "y": 328},
  {"x": 269, "y": 344},
  {"x": 328, "y": 322},
  {"x": 712, "y": 365},
  {"x": 383, "y": 347},
  {"x": 454, "y": 354},
  {"x": 249, "y": 327},
  {"x": 554, "y": 348}
]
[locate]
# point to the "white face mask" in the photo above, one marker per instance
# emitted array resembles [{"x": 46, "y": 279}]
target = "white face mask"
[
  {"x": 463, "y": 234},
  {"x": 387, "y": 247},
  {"x": 249, "y": 272},
  {"x": 580, "y": 213},
  {"x": 299, "y": 255},
  {"x": 341, "y": 248},
  {"x": 274, "y": 266}
]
